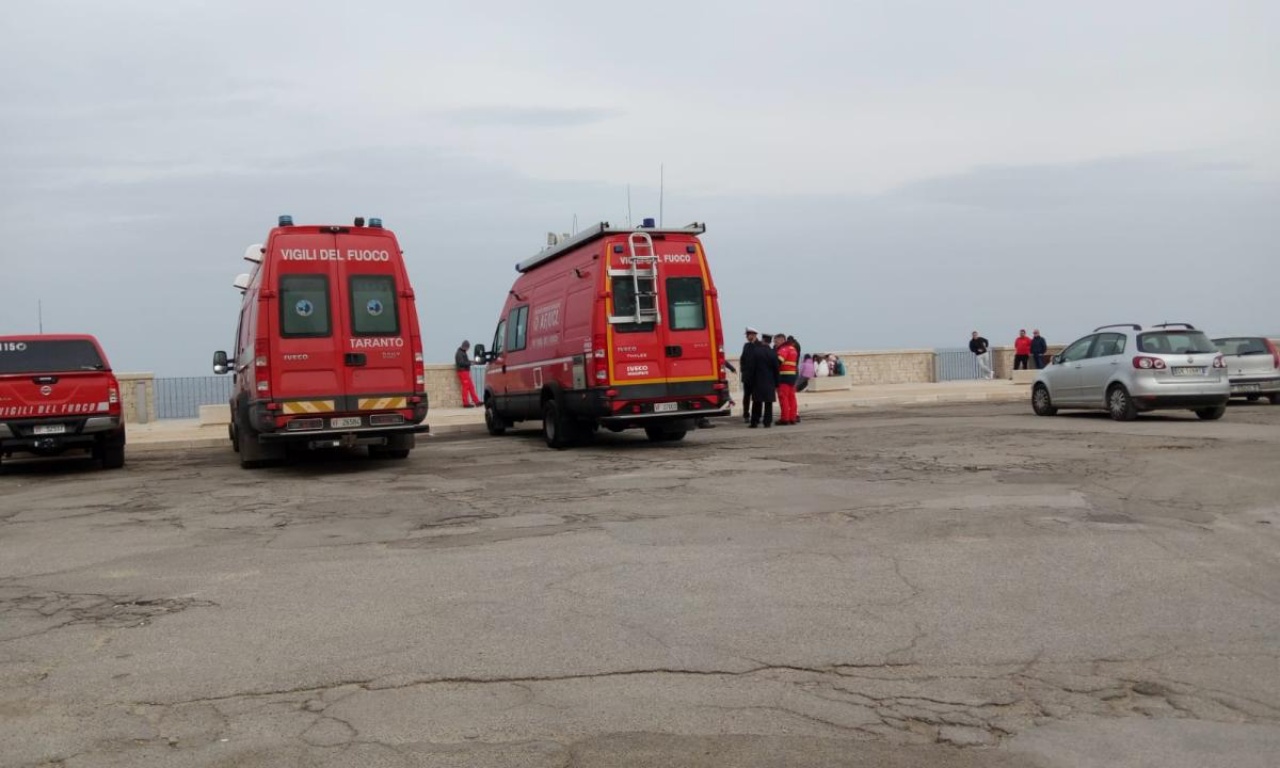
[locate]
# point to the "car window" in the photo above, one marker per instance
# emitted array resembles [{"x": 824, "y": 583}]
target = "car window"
[
  {"x": 500, "y": 337},
  {"x": 304, "y": 305},
  {"x": 1242, "y": 346},
  {"x": 517, "y": 328},
  {"x": 1109, "y": 345},
  {"x": 373, "y": 306},
  {"x": 686, "y": 304},
  {"x": 48, "y": 356},
  {"x": 1078, "y": 350},
  {"x": 1174, "y": 343}
]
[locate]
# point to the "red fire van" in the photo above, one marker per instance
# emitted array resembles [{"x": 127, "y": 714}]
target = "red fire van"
[
  {"x": 327, "y": 351},
  {"x": 57, "y": 393},
  {"x": 613, "y": 327}
]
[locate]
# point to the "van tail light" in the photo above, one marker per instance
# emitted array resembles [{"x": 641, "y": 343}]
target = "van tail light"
[
  {"x": 1218, "y": 362},
  {"x": 598, "y": 360},
  {"x": 262, "y": 367},
  {"x": 419, "y": 372},
  {"x": 1148, "y": 363},
  {"x": 1275, "y": 353}
]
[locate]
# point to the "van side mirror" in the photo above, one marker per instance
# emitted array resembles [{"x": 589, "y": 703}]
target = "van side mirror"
[
  {"x": 480, "y": 356},
  {"x": 221, "y": 363}
]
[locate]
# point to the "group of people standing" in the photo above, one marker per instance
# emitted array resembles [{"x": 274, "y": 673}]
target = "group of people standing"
[
  {"x": 1025, "y": 349},
  {"x": 770, "y": 368}
]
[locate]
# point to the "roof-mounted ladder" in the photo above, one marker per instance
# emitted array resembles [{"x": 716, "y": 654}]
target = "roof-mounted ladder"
[{"x": 642, "y": 268}]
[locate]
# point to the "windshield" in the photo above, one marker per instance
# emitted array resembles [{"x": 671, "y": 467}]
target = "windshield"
[
  {"x": 1174, "y": 343},
  {"x": 49, "y": 356}
]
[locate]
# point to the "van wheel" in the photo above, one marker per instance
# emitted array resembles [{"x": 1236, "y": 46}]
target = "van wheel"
[
  {"x": 492, "y": 422},
  {"x": 1252, "y": 398},
  {"x": 1041, "y": 403},
  {"x": 252, "y": 453},
  {"x": 1120, "y": 405},
  {"x": 558, "y": 431},
  {"x": 1274, "y": 398},
  {"x": 397, "y": 447},
  {"x": 231, "y": 435},
  {"x": 1211, "y": 414}
]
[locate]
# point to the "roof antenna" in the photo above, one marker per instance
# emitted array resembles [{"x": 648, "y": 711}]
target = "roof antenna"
[
  {"x": 660, "y": 189},
  {"x": 40, "y": 314},
  {"x": 628, "y": 206}
]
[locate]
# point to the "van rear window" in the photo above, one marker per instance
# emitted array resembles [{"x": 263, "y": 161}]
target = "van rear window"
[
  {"x": 373, "y": 306},
  {"x": 49, "y": 356},
  {"x": 304, "y": 306},
  {"x": 686, "y": 305},
  {"x": 624, "y": 305}
]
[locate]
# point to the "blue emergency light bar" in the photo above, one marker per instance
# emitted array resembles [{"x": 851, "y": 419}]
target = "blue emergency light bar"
[
  {"x": 375, "y": 222},
  {"x": 286, "y": 220}
]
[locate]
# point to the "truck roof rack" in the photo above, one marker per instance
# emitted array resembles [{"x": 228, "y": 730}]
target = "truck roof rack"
[
  {"x": 1134, "y": 326},
  {"x": 1188, "y": 326},
  {"x": 598, "y": 231}
]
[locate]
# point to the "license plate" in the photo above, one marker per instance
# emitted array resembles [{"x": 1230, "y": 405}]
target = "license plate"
[
  {"x": 665, "y": 407},
  {"x": 1245, "y": 388},
  {"x": 49, "y": 429},
  {"x": 344, "y": 422},
  {"x": 1188, "y": 371}
]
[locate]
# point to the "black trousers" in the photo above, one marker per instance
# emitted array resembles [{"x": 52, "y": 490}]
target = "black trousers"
[
  {"x": 1020, "y": 362},
  {"x": 1039, "y": 360},
  {"x": 746, "y": 402},
  {"x": 762, "y": 410}
]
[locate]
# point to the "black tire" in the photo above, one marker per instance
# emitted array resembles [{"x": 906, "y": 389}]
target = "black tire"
[
  {"x": 109, "y": 450},
  {"x": 1120, "y": 404},
  {"x": 492, "y": 421},
  {"x": 1274, "y": 398},
  {"x": 397, "y": 447},
  {"x": 1252, "y": 398},
  {"x": 254, "y": 454},
  {"x": 1211, "y": 414},
  {"x": 1041, "y": 403},
  {"x": 665, "y": 434},
  {"x": 556, "y": 429},
  {"x": 231, "y": 434}
]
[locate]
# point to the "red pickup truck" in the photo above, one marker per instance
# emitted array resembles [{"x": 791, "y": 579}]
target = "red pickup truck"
[{"x": 57, "y": 393}]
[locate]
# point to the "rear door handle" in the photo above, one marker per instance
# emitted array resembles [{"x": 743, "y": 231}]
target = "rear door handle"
[
  {"x": 675, "y": 351},
  {"x": 354, "y": 359}
]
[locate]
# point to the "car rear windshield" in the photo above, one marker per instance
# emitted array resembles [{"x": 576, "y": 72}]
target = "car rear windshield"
[
  {"x": 1174, "y": 343},
  {"x": 1251, "y": 345},
  {"x": 49, "y": 356}
]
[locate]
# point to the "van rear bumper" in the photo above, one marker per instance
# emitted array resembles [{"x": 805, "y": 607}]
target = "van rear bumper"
[{"x": 359, "y": 434}]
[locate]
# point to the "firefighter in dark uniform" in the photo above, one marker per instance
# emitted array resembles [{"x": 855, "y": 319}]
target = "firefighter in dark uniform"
[
  {"x": 745, "y": 363},
  {"x": 763, "y": 382}
]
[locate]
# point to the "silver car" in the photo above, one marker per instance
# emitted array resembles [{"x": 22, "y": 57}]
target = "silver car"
[
  {"x": 1125, "y": 369},
  {"x": 1253, "y": 366}
]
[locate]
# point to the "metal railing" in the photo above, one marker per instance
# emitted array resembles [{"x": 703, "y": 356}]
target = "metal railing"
[
  {"x": 181, "y": 398},
  {"x": 957, "y": 364}
]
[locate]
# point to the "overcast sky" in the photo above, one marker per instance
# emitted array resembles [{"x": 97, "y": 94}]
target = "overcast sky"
[{"x": 872, "y": 174}]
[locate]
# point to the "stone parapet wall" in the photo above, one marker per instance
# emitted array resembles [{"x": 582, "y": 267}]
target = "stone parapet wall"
[
  {"x": 138, "y": 397},
  {"x": 891, "y": 366}
]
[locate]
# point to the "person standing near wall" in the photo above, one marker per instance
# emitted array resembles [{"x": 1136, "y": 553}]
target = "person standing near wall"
[
  {"x": 1039, "y": 348},
  {"x": 980, "y": 348},
  {"x": 764, "y": 384},
  {"x": 788, "y": 372},
  {"x": 1021, "y": 351},
  {"x": 462, "y": 361}
]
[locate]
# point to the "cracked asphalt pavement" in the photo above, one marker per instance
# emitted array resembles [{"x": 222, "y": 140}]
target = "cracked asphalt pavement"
[{"x": 943, "y": 586}]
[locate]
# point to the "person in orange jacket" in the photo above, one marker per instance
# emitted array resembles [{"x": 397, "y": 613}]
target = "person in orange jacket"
[{"x": 788, "y": 372}]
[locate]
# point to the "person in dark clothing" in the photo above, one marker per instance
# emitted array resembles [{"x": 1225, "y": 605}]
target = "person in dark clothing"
[
  {"x": 745, "y": 366},
  {"x": 980, "y": 348},
  {"x": 1039, "y": 348},
  {"x": 764, "y": 384},
  {"x": 462, "y": 361}
]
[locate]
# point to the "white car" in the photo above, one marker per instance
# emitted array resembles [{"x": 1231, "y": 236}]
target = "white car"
[
  {"x": 1253, "y": 366},
  {"x": 1125, "y": 369}
]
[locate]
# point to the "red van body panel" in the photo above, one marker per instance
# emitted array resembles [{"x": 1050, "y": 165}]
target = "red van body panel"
[
  {"x": 57, "y": 392},
  {"x": 574, "y": 331},
  {"x": 328, "y": 350}
]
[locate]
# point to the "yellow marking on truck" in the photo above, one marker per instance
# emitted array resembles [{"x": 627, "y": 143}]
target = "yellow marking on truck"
[
  {"x": 382, "y": 403},
  {"x": 294, "y": 407}
]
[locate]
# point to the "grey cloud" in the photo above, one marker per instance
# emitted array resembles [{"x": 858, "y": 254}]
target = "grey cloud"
[{"x": 530, "y": 117}]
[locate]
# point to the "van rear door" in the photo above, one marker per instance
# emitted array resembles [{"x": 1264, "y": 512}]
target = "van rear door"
[
  {"x": 306, "y": 354},
  {"x": 378, "y": 322},
  {"x": 678, "y": 344}
]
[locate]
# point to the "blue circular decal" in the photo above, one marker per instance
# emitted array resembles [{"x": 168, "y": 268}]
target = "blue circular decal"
[
  {"x": 374, "y": 307},
  {"x": 304, "y": 308}
]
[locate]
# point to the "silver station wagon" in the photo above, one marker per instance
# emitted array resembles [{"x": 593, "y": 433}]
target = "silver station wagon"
[{"x": 1126, "y": 369}]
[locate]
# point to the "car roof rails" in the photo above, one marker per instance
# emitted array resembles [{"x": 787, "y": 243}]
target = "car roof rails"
[
  {"x": 1134, "y": 326},
  {"x": 1188, "y": 326}
]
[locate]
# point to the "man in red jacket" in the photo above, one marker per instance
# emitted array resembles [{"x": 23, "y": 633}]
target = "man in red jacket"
[{"x": 1021, "y": 350}]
